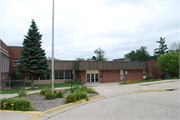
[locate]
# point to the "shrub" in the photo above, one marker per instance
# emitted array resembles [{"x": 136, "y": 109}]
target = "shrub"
[
  {"x": 68, "y": 81},
  {"x": 150, "y": 77},
  {"x": 175, "y": 77},
  {"x": 43, "y": 92},
  {"x": 90, "y": 90},
  {"x": 76, "y": 97},
  {"x": 20, "y": 105},
  {"x": 50, "y": 95},
  {"x": 22, "y": 93},
  {"x": 71, "y": 98},
  {"x": 59, "y": 94},
  {"x": 165, "y": 76}
]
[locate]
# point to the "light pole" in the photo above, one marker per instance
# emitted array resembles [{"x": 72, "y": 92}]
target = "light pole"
[{"x": 53, "y": 47}]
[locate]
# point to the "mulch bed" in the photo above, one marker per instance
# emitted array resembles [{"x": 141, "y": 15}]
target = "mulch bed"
[{"x": 40, "y": 104}]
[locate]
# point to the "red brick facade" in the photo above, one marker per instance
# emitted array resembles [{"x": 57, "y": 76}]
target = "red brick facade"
[
  {"x": 152, "y": 69},
  {"x": 107, "y": 76},
  {"x": 15, "y": 53}
]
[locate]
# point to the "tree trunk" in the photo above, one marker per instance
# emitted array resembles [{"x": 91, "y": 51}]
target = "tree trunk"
[{"x": 32, "y": 81}]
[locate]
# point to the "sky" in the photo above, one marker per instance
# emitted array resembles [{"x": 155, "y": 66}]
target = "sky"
[{"x": 81, "y": 26}]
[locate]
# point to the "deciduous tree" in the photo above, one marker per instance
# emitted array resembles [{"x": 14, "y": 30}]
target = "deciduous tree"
[{"x": 169, "y": 63}]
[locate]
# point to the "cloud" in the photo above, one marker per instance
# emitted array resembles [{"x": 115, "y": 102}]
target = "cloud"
[{"x": 82, "y": 26}]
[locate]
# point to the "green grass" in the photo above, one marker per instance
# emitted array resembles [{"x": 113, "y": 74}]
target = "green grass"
[
  {"x": 134, "y": 82},
  {"x": 40, "y": 87}
]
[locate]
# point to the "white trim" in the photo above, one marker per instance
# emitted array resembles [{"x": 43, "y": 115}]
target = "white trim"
[{"x": 4, "y": 53}]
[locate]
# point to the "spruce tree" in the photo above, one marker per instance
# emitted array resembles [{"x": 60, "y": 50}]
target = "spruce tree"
[
  {"x": 33, "y": 62},
  {"x": 163, "y": 49}
]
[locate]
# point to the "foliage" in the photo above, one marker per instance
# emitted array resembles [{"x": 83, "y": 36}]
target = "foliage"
[
  {"x": 80, "y": 59},
  {"x": 33, "y": 61},
  {"x": 78, "y": 81},
  {"x": 22, "y": 93},
  {"x": 175, "y": 77},
  {"x": 158, "y": 79},
  {"x": 138, "y": 55},
  {"x": 174, "y": 47},
  {"x": 165, "y": 76},
  {"x": 14, "y": 76},
  {"x": 169, "y": 63},
  {"x": 19, "y": 105},
  {"x": 68, "y": 81},
  {"x": 150, "y": 77},
  {"x": 59, "y": 94},
  {"x": 50, "y": 58},
  {"x": 99, "y": 54},
  {"x": 76, "y": 97},
  {"x": 44, "y": 91},
  {"x": 83, "y": 88},
  {"x": 50, "y": 95},
  {"x": 163, "y": 49}
]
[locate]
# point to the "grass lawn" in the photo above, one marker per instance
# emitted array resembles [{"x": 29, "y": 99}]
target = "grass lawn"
[
  {"x": 134, "y": 82},
  {"x": 40, "y": 87}
]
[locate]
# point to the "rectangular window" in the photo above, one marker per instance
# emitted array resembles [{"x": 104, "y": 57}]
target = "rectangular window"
[
  {"x": 144, "y": 74},
  {"x": 15, "y": 62},
  {"x": 61, "y": 74},
  {"x": 121, "y": 75},
  {"x": 68, "y": 74}
]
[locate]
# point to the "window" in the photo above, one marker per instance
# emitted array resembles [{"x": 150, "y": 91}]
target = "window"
[
  {"x": 144, "y": 73},
  {"x": 15, "y": 62},
  {"x": 4, "y": 63},
  {"x": 121, "y": 75},
  {"x": 68, "y": 74}
]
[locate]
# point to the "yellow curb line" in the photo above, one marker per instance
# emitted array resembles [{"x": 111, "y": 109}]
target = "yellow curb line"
[
  {"x": 149, "y": 90},
  {"x": 63, "y": 107},
  {"x": 20, "y": 111}
]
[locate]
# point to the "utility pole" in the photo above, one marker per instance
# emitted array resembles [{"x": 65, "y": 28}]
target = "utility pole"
[{"x": 53, "y": 47}]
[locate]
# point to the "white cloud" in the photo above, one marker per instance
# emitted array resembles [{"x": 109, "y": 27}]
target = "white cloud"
[{"x": 82, "y": 26}]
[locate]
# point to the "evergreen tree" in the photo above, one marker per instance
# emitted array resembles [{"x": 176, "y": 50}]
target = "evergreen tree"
[
  {"x": 162, "y": 48},
  {"x": 33, "y": 61}
]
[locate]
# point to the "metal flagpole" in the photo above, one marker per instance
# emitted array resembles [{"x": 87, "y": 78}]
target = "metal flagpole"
[{"x": 53, "y": 48}]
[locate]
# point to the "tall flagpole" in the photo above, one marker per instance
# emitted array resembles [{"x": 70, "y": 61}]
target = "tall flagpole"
[{"x": 53, "y": 48}]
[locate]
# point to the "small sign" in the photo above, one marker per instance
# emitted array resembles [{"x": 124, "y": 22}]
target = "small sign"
[
  {"x": 126, "y": 72},
  {"x": 73, "y": 71}
]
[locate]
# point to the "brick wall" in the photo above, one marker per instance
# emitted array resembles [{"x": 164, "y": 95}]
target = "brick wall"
[
  {"x": 5, "y": 51},
  {"x": 83, "y": 76},
  {"x": 110, "y": 76},
  {"x": 15, "y": 53},
  {"x": 152, "y": 69}
]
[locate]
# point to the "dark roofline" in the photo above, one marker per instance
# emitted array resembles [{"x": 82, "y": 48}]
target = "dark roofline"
[{"x": 98, "y": 65}]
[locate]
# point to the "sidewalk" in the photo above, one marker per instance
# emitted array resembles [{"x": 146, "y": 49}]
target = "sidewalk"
[{"x": 30, "y": 92}]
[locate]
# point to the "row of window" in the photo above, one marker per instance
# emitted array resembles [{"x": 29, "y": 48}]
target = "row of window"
[
  {"x": 61, "y": 74},
  {"x": 4, "y": 63},
  {"x": 122, "y": 74}
]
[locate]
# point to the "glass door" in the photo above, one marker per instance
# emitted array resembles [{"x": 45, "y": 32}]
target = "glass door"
[
  {"x": 96, "y": 77},
  {"x": 92, "y": 77},
  {"x": 88, "y": 78}
]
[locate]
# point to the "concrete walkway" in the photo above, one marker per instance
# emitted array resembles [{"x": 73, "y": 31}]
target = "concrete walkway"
[{"x": 110, "y": 89}]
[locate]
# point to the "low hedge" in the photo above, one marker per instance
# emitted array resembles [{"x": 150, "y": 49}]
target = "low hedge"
[
  {"x": 19, "y": 105},
  {"x": 76, "y": 97}
]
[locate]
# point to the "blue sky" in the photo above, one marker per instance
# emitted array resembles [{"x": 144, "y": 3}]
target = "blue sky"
[{"x": 81, "y": 26}]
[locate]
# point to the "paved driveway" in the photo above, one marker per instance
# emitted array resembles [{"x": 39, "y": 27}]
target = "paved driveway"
[
  {"x": 136, "y": 106},
  {"x": 122, "y": 105}
]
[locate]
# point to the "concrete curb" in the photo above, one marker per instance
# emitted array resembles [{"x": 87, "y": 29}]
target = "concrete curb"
[
  {"x": 157, "y": 82},
  {"x": 20, "y": 111},
  {"x": 63, "y": 107},
  {"x": 153, "y": 90}
]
